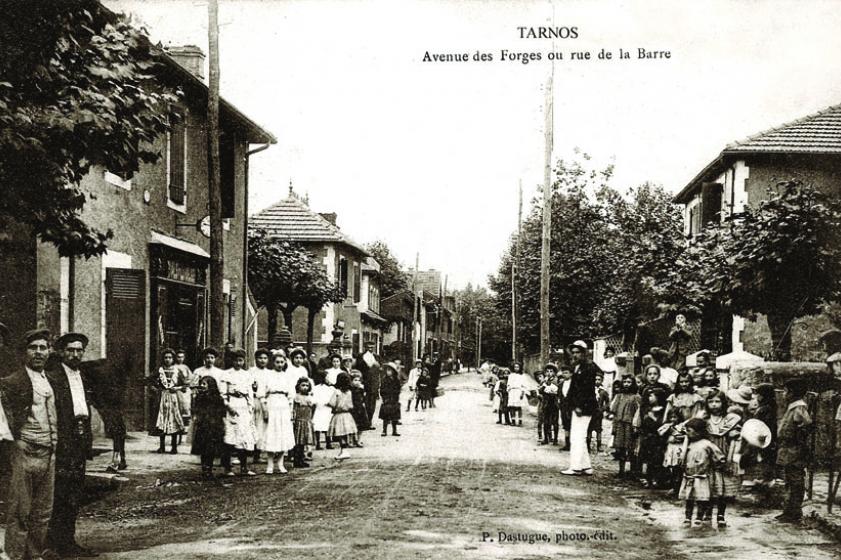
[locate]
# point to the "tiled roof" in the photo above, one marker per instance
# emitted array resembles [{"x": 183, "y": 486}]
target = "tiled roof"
[
  {"x": 292, "y": 219},
  {"x": 819, "y": 133}
]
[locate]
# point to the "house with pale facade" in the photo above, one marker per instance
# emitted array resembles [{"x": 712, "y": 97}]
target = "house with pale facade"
[
  {"x": 806, "y": 150},
  {"x": 347, "y": 263}
]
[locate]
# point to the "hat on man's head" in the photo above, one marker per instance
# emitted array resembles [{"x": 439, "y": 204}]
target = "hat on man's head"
[
  {"x": 797, "y": 386},
  {"x": 580, "y": 344},
  {"x": 552, "y": 366},
  {"x": 36, "y": 334},
  {"x": 67, "y": 338}
]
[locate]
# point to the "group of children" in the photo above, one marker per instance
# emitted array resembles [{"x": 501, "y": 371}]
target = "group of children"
[
  {"x": 274, "y": 407},
  {"x": 682, "y": 436},
  {"x": 420, "y": 387}
]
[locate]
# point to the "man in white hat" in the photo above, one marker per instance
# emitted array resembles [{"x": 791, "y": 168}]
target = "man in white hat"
[{"x": 582, "y": 400}]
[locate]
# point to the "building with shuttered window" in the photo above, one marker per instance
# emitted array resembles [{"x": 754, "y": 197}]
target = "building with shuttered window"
[
  {"x": 808, "y": 150},
  {"x": 150, "y": 290},
  {"x": 346, "y": 262}
]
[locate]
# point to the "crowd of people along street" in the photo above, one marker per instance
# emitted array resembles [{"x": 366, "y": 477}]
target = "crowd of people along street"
[
  {"x": 670, "y": 430},
  {"x": 285, "y": 407}
]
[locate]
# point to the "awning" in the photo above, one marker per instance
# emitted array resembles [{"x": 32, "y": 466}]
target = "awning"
[
  {"x": 179, "y": 244},
  {"x": 372, "y": 317}
]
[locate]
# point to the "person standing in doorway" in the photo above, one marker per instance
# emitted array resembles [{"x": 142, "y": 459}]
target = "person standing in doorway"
[
  {"x": 582, "y": 402},
  {"x": 75, "y": 441},
  {"x": 34, "y": 425}
]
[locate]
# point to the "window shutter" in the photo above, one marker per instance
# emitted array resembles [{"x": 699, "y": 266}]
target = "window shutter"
[
  {"x": 177, "y": 187},
  {"x": 711, "y": 195}
]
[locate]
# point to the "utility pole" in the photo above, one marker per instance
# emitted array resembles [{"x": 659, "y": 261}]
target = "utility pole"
[
  {"x": 547, "y": 222},
  {"x": 415, "y": 354},
  {"x": 441, "y": 298},
  {"x": 217, "y": 273},
  {"x": 478, "y": 342},
  {"x": 514, "y": 270}
]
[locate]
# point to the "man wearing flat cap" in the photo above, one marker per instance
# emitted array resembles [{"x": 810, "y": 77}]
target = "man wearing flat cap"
[
  {"x": 34, "y": 425},
  {"x": 72, "y": 402}
]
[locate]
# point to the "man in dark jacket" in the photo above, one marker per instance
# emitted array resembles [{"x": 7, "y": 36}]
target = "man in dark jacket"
[
  {"x": 369, "y": 365},
  {"x": 582, "y": 400},
  {"x": 72, "y": 401}
]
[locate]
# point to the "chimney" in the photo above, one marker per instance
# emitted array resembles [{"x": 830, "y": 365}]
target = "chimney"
[
  {"x": 190, "y": 57},
  {"x": 329, "y": 216}
]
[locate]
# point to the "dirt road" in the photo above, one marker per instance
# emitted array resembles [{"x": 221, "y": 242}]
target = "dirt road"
[{"x": 446, "y": 488}]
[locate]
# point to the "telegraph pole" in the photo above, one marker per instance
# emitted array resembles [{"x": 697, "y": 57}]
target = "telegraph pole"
[
  {"x": 415, "y": 309},
  {"x": 514, "y": 270},
  {"x": 478, "y": 342},
  {"x": 547, "y": 222},
  {"x": 217, "y": 274}
]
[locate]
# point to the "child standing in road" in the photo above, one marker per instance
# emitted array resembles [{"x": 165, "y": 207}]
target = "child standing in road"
[
  {"x": 501, "y": 390},
  {"x": 563, "y": 403},
  {"x": 701, "y": 458},
  {"x": 360, "y": 409},
  {"x": 539, "y": 378},
  {"x": 341, "y": 423},
  {"x": 622, "y": 410},
  {"x": 724, "y": 428},
  {"x": 549, "y": 397},
  {"x": 602, "y": 406},
  {"x": 423, "y": 387},
  {"x": 321, "y": 394},
  {"x": 170, "y": 422},
  {"x": 793, "y": 452},
  {"x": 652, "y": 440},
  {"x": 185, "y": 395},
  {"x": 208, "y": 424},
  {"x": 302, "y": 411}
]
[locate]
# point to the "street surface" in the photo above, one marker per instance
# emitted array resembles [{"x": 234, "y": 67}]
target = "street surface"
[{"x": 444, "y": 489}]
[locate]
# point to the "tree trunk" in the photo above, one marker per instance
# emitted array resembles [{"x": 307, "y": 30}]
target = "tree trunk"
[
  {"x": 287, "y": 311},
  {"x": 780, "y": 326},
  {"x": 311, "y": 314},
  {"x": 271, "y": 309}
]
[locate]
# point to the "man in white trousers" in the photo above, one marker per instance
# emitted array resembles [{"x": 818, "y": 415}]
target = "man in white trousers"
[{"x": 582, "y": 400}]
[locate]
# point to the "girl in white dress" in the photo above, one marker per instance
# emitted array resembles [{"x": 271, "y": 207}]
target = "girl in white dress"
[
  {"x": 259, "y": 374},
  {"x": 238, "y": 393},
  {"x": 297, "y": 357},
  {"x": 516, "y": 394},
  {"x": 321, "y": 395},
  {"x": 276, "y": 395},
  {"x": 332, "y": 373}
]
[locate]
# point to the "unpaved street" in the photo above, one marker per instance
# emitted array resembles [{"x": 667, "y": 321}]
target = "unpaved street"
[{"x": 453, "y": 477}]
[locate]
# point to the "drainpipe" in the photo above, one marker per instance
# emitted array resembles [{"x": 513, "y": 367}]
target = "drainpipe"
[{"x": 246, "y": 327}]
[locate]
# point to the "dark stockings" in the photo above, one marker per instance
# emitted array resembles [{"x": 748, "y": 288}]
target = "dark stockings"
[{"x": 173, "y": 442}]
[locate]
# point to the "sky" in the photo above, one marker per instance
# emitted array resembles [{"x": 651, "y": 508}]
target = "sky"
[{"x": 428, "y": 156}]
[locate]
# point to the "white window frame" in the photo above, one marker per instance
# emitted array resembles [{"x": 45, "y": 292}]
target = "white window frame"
[
  {"x": 116, "y": 180},
  {"x": 181, "y": 208}
]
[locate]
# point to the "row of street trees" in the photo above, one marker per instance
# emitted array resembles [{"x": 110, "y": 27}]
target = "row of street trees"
[{"x": 621, "y": 259}]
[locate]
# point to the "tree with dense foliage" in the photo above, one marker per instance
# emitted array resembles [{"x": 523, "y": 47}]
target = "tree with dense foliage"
[
  {"x": 79, "y": 87},
  {"x": 392, "y": 278},
  {"x": 284, "y": 275},
  {"x": 582, "y": 259},
  {"x": 479, "y": 303},
  {"x": 781, "y": 259}
]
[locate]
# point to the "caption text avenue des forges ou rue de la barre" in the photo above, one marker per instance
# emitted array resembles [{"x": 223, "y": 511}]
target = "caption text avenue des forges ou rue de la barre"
[
  {"x": 506, "y": 55},
  {"x": 562, "y": 537}
]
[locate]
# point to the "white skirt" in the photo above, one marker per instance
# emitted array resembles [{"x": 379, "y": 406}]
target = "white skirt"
[
  {"x": 239, "y": 429},
  {"x": 321, "y": 418},
  {"x": 279, "y": 435}
]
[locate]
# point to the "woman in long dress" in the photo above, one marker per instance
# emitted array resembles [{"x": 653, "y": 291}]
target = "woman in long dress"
[
  {"x": 236, "y": 388},
  {"x": 297, "y": 359},
  {"x": 390, "y": 394},
  {"x": 276, "y": 398},
  {"x": 516, "y": 394},
  {"x": 259, "y": 375}
]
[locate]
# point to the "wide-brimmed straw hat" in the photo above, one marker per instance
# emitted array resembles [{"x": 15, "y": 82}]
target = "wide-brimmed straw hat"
[
  {"x": 756, "y": 433},
  {"x": 742, "y": 395}
]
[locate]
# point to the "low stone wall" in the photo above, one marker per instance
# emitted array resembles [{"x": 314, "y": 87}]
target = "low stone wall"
[{"x": 823, "y": 397}]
